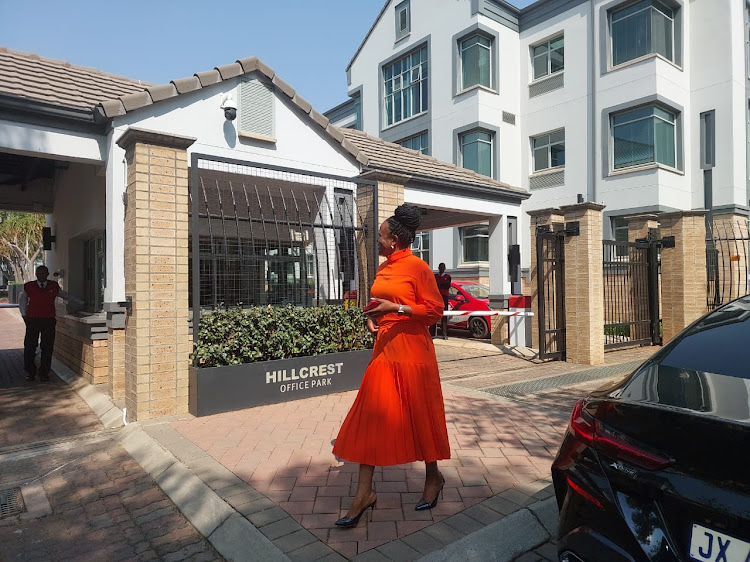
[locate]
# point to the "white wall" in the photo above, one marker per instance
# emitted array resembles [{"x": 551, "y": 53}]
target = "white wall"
[
  {"x": 300, "y": 144},
  {"x": 79, "y": 203}
]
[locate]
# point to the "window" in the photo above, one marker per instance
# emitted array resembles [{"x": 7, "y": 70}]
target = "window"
[
  {"x": 476, "y": 61},
  {"x": 708, "y": 139},
  {"x": 418, "y": 142},
  {"x": 94, "y": 273},
  {"x": 642, "y": 136},
  {"x": 475, "y": 243},
  {"x": 405, "y": 87},
  {"x": 620, "y": 234},
  {"x": 403, "y": 20},
  {"x": 548, "y": 58},
  {"x": 476, "y": 151},
  {"x": 421, "y": 246},
  {"x": 641, "y": 29},
  {"x": 549, "y": 150}
]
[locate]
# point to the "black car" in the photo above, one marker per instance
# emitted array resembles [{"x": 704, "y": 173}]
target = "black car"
[{"x": 657, "y": 466}]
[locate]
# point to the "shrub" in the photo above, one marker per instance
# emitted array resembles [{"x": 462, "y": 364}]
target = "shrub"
[{"x": 263, "y": 333}]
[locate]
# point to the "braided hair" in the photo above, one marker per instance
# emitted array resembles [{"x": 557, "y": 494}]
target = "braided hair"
[{"x": 404, "y": 223}]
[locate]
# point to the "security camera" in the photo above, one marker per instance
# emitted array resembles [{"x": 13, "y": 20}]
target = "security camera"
[{"x": 230, "y": 107}]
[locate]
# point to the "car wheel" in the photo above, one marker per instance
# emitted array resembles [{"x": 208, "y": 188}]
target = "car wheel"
[{"x": 479, "y": 328}]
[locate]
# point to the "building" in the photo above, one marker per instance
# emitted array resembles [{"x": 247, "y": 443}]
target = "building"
[
  {"x": 221, "y": 187},
  {"x": 638, "y": 105}
]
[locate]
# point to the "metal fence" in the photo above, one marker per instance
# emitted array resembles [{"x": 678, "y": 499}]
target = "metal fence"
[
  {"x": 267, "y": 235},
  {"x": 727, "y": 271},
  {"x": 550, "y": 256},
  {"x": 631, "y": 293}
]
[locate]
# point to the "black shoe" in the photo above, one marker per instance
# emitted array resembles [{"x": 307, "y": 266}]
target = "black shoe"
[
  {"x": 348, "y": 522},
  {"x": 424, "y": 504},
  {"x": 30, "y": 378}
]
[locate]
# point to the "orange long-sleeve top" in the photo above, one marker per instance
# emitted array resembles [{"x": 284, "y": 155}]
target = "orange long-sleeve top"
[{"x": 406, "y": 279}]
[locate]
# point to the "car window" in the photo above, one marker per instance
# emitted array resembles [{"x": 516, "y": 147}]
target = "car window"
[
  {"x": 717, "y": 344},
  {"x": 477, "y": 291}
]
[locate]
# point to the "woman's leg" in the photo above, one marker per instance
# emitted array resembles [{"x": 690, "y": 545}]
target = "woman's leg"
[
  {"x": 365, "y": 494},
  {"x": 433, "y": 481}
]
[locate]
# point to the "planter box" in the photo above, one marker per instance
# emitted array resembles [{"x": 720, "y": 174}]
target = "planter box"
[{"x": 222, "y": 389}]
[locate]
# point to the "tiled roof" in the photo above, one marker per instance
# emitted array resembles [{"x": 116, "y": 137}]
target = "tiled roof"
[
  {"x": 59, "y": 83},
  {"x": 387, "y": 156}
]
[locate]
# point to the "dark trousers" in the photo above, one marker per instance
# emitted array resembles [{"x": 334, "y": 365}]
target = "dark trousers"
[{"x": 34, "y": 328}]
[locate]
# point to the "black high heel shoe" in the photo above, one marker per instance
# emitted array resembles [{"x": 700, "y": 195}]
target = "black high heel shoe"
[
  {"x": 348, "y": 522},
  {"x": 424, "y": 504}
]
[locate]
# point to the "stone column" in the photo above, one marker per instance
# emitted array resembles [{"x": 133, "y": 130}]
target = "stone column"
[
  {"x": 541, "y": 217},
  {"x": 683, "y": 271},
  {"x": 584, "y": 286},
  {"x": 639, "y": 226},
  {"x": 156, "y": 274},
  {"x": 375, "y": 203}
]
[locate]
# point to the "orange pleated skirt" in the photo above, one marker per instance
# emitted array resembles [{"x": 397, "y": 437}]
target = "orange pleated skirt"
[{"x": 398, "y": 416}]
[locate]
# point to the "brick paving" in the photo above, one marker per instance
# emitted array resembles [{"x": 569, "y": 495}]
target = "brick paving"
[{"x": 103, "y": 505}]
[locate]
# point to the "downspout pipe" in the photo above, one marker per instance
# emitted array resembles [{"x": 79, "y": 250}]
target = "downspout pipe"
[{"x": 592, "y": 117}]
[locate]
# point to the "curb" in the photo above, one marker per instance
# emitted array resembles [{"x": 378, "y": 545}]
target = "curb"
[
  {"x": 231, "y": 534},
  {"x": 505, "y": 539}
]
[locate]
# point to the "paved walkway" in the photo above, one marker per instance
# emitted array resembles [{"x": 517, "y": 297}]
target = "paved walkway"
[{"x": 262, "y": 484}]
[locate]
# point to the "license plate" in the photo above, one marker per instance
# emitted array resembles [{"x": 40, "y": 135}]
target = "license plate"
[{"x": 709, "y": 545}]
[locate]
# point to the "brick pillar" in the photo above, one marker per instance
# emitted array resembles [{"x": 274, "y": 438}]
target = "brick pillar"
[
  {"x": 156, "y": 274},
  {"x": 639, "y": 226},
  {"x": 541, "y": 217},
  {"x": 116, "y": 348},
  {"x": 375, "y": 203},
  {"x": 584, "y": 286},
  {"x": 683, "y": 271}
]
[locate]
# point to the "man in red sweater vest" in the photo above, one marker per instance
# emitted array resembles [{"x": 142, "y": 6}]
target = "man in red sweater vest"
[{"x": 37, "y": 305}]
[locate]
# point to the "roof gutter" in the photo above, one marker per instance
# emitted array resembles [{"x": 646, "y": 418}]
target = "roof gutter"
[
  {"x": 479, "y": 189},
  {"x": 17, "y": 108}
]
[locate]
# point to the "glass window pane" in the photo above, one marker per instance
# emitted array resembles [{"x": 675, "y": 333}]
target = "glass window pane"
[
  {"x": 540, "y": 66},
  {"x": 557, "y": 136},
  {"x": 542, "y": 140},
  {"x": 633, "y": 144},
  {"x": 620, "y": 14},
  {"x": 389, "y": 110},
  {"x": 485, "y": 158},
  {"x": 661, "y": 34},
  {"x": 557, "y": 60},
  {"x": 664, "y": 140},
  {"x": 556, "y": 43},
  {"x": 539, "y": 50},
  {"x": 541, "y": 159},
  {"x": 557, "y": 155},
  {"x": 470, "y": 67},
  {"x": 633, "y": 114},
  {"x": 470, "y": 156},
  {"x": 631, "y": 37},
  {"x": 484, "y": 67}
]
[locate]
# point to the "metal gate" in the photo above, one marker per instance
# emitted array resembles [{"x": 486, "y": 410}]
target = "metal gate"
[
  {"x": 727, "y": 265},
  {"x": 264, "y": 235},
  {"x": 550, "y": 263},
  {"x": 631, "y": 293}
]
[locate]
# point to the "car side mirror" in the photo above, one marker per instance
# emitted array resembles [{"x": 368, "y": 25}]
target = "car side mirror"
[{"x": 460, "y": 298}]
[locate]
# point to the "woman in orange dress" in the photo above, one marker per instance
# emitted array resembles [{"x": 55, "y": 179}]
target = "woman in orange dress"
[{"x": 398, "y": 416}]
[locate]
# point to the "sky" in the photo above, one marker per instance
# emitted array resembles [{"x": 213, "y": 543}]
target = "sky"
[{"x": 308, "y": 43}]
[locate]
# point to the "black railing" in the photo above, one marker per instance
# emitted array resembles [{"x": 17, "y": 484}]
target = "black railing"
[
  {"x": 631, "y": 293},
  {"x": 727, "y": 269},
  {"x": 551, "y": 290},
  {"x": 267, "y": 235}
]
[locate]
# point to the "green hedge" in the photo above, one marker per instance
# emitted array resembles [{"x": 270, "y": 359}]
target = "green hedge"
[{"x": 263, "y": 333}]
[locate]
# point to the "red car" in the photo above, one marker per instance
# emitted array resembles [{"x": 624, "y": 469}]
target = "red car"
[{"x": 469, "y": 295}]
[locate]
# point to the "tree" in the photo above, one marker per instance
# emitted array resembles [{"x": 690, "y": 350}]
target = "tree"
[{"x": 21, "y": 242}]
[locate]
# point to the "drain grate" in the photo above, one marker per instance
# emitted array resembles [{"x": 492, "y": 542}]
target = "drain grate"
[
  {"x": 11, "y": 502},
  {"x": 530, "y": 387}
]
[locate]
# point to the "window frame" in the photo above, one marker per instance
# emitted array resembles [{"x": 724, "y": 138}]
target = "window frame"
[
  {"x": 403, "y": 7},
  {"x": 460, "y": 66},
  {"x": 676, "y": 58},
  {"x": 654, "y": 162},
  {"x": 424, "y": 150},
  {"x": 546, "y": 42},
  {"x": 549, "y": 145},
  {"x": 462, "y": 242},
  {"x": 420, "y": 251},
  {"x": 468, "y": 132},
  {"x": 424, "y": 50}
]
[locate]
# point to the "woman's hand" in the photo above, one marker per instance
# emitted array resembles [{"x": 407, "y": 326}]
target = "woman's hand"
[
  {"x": 384, "y": 307},
  {"x": 372, "y": 327}
]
